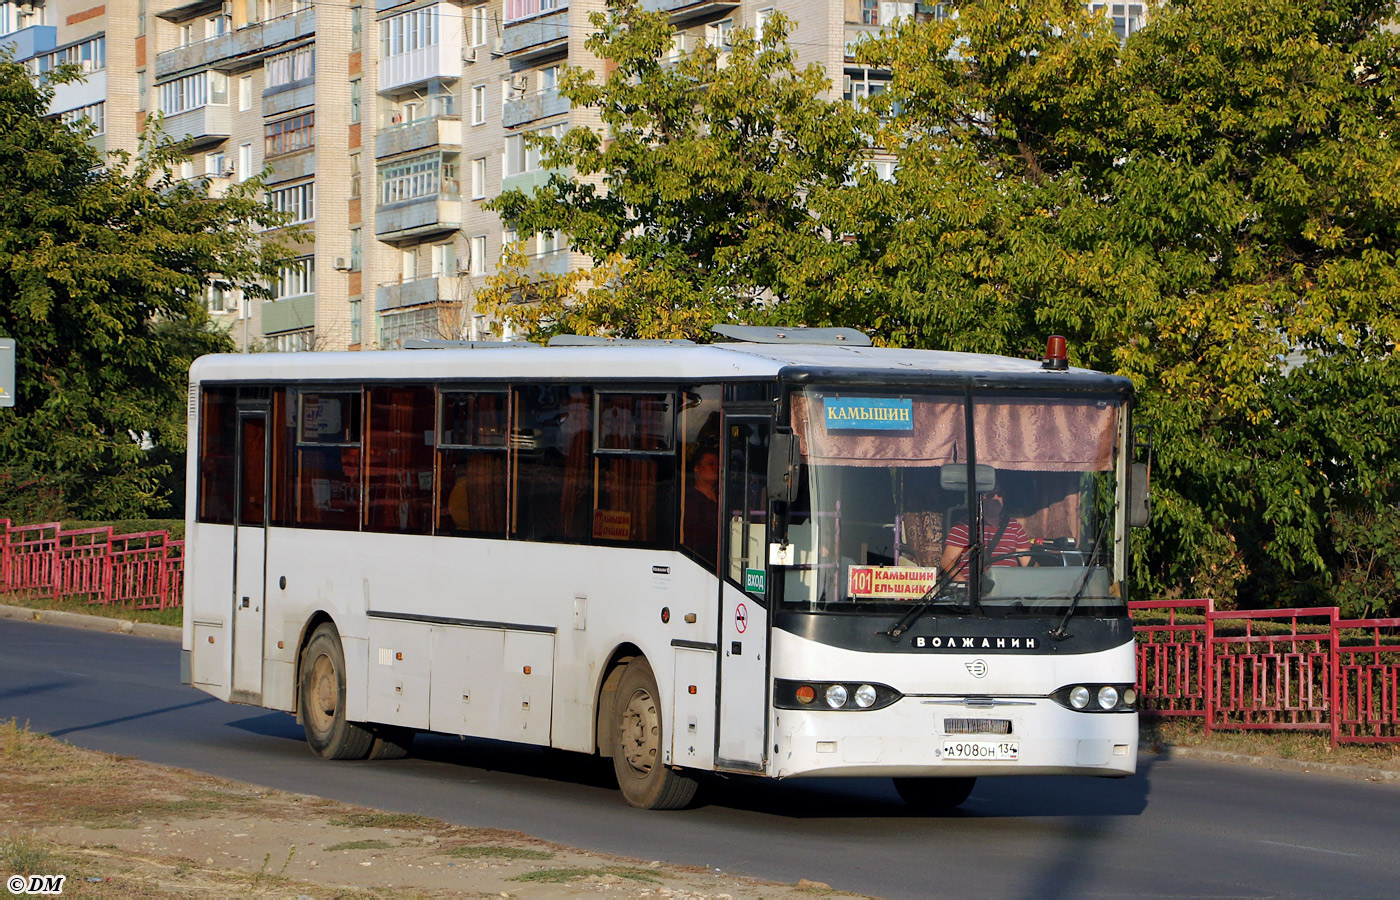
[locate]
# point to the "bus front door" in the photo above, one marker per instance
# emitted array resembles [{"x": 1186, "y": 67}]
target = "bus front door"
[
  {"x": 250, "y": 549},
  {"x": 743, "y": 656}
]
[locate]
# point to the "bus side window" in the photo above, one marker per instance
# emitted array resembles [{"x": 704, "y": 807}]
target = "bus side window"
[
  {"x": 634, "y": 500},
  {"x": 327, "y": 460},
  {"x": 551, "y": 449},
  {"x": 218, "y": 432},
  {"x": 399, "y": 470},
  {"x": 699, "y": 514},
  {"x": 472, "y": 434}
]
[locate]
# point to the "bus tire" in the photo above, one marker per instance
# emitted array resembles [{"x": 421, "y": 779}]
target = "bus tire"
[
  {"x": 391, "y": 742},
  {"x": 934, "y": 794},
  {"x": 322, "y": 695},
  {"x": 638, "y": 739}
]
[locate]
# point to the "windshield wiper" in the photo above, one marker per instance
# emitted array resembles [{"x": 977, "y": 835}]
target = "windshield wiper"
[
  {"x": 1059, "y": 633},
  {"x": 930, "y": 597}
]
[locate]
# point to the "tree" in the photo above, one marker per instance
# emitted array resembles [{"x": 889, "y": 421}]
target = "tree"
[
  {"x": 103, "y": 274},
  {"x": 1192, "y": 207},
  {"x": 713, "y": 196}
]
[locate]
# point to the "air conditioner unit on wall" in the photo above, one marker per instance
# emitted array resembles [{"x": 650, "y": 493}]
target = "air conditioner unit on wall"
[
  {"x": 342, "y": 264},
  {"x": 498, "y": 46}
]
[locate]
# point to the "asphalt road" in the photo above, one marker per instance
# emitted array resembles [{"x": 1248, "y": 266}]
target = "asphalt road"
[{"x": 1176, "y": 829}]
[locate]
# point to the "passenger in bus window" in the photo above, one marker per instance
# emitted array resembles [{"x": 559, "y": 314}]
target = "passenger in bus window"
[
  {"x": 459, "y": 500},
  {"x": 702, "y": 505},
  {"x": 1004, "y": 539}
]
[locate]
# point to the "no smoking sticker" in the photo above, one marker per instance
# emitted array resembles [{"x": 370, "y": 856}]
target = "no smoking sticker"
[{"x": 741, "y": 618}]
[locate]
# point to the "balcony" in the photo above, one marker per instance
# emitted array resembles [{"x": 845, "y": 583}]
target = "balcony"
[
  {"x": 541, "y": 264},
  {"x": 287, "y": 97},
  {"x": 527, "y": 181},
  {"x": 204, "y": 125},
  {"x": 31, "y": 41},
  {"x": 396, "y": 295},
  {"x": 288, "y": 314},
  {"x": 686, "y": 10},
  {"x": 411, "y": 220},
  {"x": 529, "y": 38},
  {"x": 539, "y": 105},
  {"x": 239, "y": 49},
  {"x": 424, "y": 134}
]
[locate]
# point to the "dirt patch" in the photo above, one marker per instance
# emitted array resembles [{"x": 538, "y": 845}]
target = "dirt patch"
[{"x": 119, "y": 827}]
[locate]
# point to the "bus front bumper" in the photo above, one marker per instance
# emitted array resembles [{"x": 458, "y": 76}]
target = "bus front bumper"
[{"x": 933, "y": 737}]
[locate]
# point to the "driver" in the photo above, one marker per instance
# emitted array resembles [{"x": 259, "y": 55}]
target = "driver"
[{"x": 1012, "y": 543}]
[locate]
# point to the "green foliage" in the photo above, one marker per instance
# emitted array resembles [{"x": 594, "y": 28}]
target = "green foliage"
[
  {"x": 1210, "y": 207},
  {"x": 1368, "y": 577},
  {"x": 103, "y": 271},
  {"x": 708, "y": 201}
]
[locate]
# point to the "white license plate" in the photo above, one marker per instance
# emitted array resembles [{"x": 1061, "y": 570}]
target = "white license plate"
[{"x": 989, "y": 750}]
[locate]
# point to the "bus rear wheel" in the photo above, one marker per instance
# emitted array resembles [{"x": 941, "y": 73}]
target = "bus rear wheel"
[
  {"x": 322, "y": 695},
  {"x": 934, "y": 794},
  {"x": 638, "y": 741}
]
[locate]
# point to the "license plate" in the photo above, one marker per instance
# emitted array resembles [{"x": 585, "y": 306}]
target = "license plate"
[{"x": 982, "y": 750}]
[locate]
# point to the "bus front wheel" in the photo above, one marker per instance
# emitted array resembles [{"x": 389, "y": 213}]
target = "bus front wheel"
[
  {"x": 638, "y": 741},
  {"x": 322, "y": 689},
  {"x": 934, "y": 794}
]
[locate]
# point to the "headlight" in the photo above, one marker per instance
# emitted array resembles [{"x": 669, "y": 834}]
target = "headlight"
[
  {"x": 840, "y": 696},
  {"x": 1129, "y": 697},
  {"x": 1079, "y": 697},
  {"x": 1108, "y": 697}
]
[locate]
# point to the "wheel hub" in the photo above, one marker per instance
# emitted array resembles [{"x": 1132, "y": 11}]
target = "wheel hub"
[
  {"x": 641, "y": 733},
  {"x": 325, "y": 694}
]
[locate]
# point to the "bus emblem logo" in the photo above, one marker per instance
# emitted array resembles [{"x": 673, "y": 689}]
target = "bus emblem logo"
[{"x": 977, "y": 668}]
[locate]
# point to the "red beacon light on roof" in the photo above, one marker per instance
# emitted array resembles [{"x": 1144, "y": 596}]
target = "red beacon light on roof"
[{"x": 1056, "y": 354}]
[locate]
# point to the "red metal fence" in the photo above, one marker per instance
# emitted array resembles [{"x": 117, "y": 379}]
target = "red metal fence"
[
  {"x": 134, "y": 571},
  {"x": 1275, "y": 669}
]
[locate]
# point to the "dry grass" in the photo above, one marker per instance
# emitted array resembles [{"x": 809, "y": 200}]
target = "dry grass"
[{"x": 1158, "y": 733}]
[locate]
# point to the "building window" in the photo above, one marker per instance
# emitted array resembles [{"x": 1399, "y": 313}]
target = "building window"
[
  {"x": 550, "y": 242},
  {"x": 140, "y": 17},
  {"x": 215, "y": 163},
  {"x": 521, "y": 9},
  {"x": 290, "y": 342},
  {"x": 90, "y": 56},
  {"x": 549, "y": 79},
  {"x": 478, "y": 257},
  {"x": 296, "y": 280},
  {"x": 761, "y": 19},
  {"x": 479, "y": 21},
  {"x": 95, "y": 114},
  {"x": 245, "y": 93},
  {"x": 141, "y": 89},
  {"x": 290, "y": 135},
  {"x": 294, "y": 65},
  {"x": 299, "y": 201},
  {"x": 408, "y": 32},
  {"x": 356, "y": 28},
  {"x": 220, "y": 300},
  {"x": 245, "y": 162},
  {"x": 354, "y": 101},
  {"x": 479, "y": 104},
  {"x": 479, "y": 178},
  {"x": 421, "y": 176},
  {"x": 870, "y": 12},
  {"x": 522, "y": 156},
  {"x": 1127, "y": 17},
  {"x": 354, "y": 176},
  {"x": 193, "y": 91},
  {"x": 718, "y": 34},
  {"x": 355, "y": 250},
  {"x": 355, "y": 334},
  {"x": 444, "y": 260},
  {"x": 395, "y": 328}
]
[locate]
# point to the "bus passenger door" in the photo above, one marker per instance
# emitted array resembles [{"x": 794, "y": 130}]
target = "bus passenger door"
[
  {"x": 743, "y": 646},
  {"x": 249, "y": 550}
]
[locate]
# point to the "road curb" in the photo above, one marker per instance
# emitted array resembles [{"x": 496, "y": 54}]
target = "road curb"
[
  {"x": 95, "y": 623},
  {"x": 1278, "y": 763}
]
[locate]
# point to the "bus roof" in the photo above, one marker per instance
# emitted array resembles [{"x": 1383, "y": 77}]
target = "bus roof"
[{"x": 648, "y": 362}]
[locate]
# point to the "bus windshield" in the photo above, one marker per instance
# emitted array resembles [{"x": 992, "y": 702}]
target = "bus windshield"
[{"x": 882, "y": 513}]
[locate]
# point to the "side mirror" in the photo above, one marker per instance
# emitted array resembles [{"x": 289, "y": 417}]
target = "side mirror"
[
  {"x": 954, "y": 478},
  {"x": 782, "y": 466},
  {"x": 1139, "y": 496}
]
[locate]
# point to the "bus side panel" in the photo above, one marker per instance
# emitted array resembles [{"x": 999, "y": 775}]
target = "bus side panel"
[
  {"x": 400, "y": 665},
  {"x": 693, "y": 726},
  {"x": 466, "y": 662},
  {"x": 208, "y": 601}
]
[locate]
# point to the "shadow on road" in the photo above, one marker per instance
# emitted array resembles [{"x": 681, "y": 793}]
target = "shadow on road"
[{"x": 105, "y": 723}]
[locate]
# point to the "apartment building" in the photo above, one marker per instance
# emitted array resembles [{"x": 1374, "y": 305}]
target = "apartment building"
[{"x": 382, "y": 127}]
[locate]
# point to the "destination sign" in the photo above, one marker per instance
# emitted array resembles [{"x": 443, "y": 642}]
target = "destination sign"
[{"x": 868, "y": 414}]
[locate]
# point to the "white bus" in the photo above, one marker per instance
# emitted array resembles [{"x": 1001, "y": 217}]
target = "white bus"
[{"x": 759, "y": 556}]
